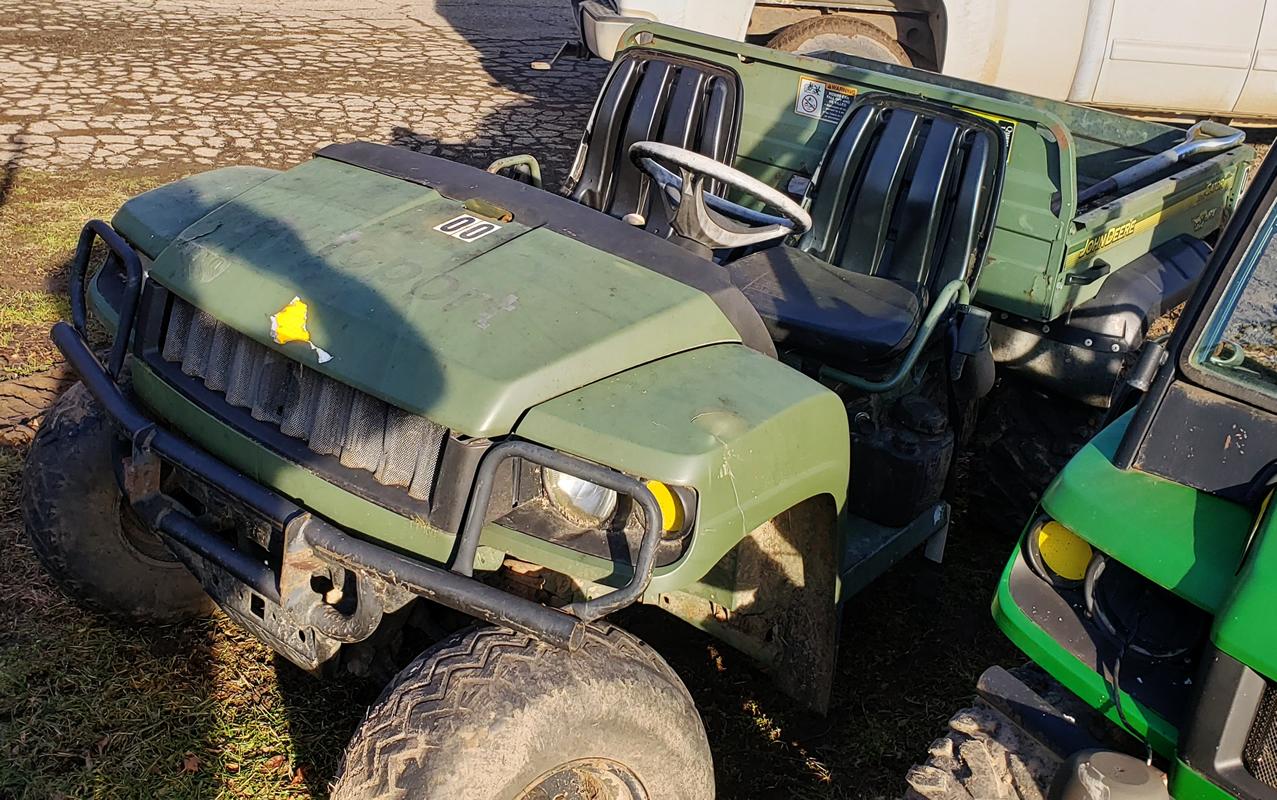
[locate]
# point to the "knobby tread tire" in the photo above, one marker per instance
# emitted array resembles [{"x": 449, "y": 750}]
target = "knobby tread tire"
[
  {"x": 407, "y": 740},
  {"x": 71, "y": 510}
]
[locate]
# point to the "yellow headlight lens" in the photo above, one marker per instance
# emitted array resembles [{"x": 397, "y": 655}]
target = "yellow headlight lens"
[
  {"x": 1063, "y": 551},
  {"x": 671, "y": 507}
]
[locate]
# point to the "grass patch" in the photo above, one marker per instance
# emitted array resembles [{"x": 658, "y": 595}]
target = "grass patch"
[
  {"x": 40, "y": 221},
  {"x": 25, "y": 318},
  {"x": 89, "y": 708},
  {"x": 94, "y": 709}
]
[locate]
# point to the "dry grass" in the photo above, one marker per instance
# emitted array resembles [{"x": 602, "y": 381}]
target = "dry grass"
[{"x": 40, "y": 218}]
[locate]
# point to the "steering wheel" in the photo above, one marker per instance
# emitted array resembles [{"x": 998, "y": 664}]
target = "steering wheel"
[{"x": 706, "y": 218}]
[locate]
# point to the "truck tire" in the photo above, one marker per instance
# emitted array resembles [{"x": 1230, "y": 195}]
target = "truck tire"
[
  {"x": 490, "y": 714},
  {"x": 1024, "y": 436},
  {"x": 829, "y": 35},
  {"x": 983, "y": 756},
  {"x": 86, "y": 535}
]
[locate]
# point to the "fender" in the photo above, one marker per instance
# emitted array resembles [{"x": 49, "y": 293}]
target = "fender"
[
  {"x": 765, "y": 449},
  {"x": 750, "y": 435}
]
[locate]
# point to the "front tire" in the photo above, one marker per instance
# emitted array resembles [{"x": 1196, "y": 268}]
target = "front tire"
[
  {"x": 490, "y": 714},
  {"x": 85, "y": 533}
]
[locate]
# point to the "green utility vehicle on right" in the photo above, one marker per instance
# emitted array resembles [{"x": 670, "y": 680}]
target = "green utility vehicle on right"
[{"x": 1147, "y": 585}]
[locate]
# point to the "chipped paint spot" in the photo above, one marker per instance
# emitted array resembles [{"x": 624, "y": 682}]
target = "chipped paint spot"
[{"x": 507, "y": 304}]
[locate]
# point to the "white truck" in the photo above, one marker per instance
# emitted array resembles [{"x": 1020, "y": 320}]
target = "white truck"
[{"x": 1166, "y": 58}]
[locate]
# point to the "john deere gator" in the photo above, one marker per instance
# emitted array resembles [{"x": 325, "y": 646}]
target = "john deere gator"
[
  {"x": 1140, "y": 589},
  {"x": 724, "y": 372}
]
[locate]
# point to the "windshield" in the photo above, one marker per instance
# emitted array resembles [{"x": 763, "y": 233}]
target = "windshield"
[{"x": 1239, "y": 342}]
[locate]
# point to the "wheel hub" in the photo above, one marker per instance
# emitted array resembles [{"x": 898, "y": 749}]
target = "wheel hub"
[{"x": 587, "y": 779}]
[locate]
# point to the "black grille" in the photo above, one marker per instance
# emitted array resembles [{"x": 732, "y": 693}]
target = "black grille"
[
  {"x": 333, "y": 419},
  {"x": 1260, "y": 754}
]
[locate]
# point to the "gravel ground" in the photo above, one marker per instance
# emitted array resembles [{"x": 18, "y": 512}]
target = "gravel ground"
[{"x": 125, "y": 84}]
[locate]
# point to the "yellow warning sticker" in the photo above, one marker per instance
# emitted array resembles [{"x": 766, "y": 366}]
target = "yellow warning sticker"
[
  {"x": 822, "y": 100},
  {"x": 289, "y": 325},
  {"x": 1007, "y": 126}
]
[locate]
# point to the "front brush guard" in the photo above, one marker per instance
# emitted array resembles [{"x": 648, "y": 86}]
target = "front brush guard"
[{"x": 243, "y": 582}]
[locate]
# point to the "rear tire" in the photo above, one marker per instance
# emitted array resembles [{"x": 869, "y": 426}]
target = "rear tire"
[
  {"x": 490, "y": 714},
  {"x": 830, "y": 35},
  {"x": 85, "y": 533}
]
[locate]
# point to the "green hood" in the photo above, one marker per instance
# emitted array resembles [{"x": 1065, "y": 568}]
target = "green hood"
[{"x": 469, "y": 334}]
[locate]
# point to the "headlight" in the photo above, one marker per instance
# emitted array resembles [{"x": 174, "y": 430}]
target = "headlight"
[
  {"x": 1058, "y": 554},
  {"x": 581, "y": 501}
]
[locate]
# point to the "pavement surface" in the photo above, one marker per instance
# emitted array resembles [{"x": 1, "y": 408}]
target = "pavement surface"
[{"x": 129, "y": 83}]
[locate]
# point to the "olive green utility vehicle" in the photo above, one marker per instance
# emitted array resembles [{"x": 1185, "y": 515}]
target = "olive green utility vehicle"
[{"x": 724, "y": 373}]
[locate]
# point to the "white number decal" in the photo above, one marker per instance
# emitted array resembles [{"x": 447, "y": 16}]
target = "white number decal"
[{"x": 467, "y": 228}]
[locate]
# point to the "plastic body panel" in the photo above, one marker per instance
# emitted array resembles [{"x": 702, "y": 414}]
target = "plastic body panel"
[
  {"x": 1243, "y": 626},
  {"x": 1180, "y": 539},
  {"x": 750, "y": 435},
  {"x": 153, "y": 219},
  {"x": 750, "y": 453},
  {"x": 1188, "y": 784},
  {"x": 467, "y": 333},
  {"x": 1055, "y": 149},
  {"x": 1077, "y": 676}
]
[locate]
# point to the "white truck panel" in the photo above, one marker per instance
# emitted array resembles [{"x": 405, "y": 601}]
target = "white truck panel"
[
  {"x": 1259, "y": 95},
  {"x": 1174, "y": 57},
  {"x": 1026, "y": 45},
  {"x": 1169, "y": 56},
  {"x": 726, "y": 18}
]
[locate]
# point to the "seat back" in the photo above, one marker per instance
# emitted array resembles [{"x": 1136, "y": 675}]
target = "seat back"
[
  {"x": 650, "y": 97},
  {"x": 908, "y": 190}
]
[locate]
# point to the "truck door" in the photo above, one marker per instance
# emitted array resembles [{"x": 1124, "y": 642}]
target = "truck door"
[
  {"x": 1178, "y": 55},
  {"x": 1259, "y": 96}
]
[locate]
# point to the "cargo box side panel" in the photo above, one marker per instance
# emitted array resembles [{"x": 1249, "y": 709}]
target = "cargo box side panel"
[{"x": 1195, "y": 202}]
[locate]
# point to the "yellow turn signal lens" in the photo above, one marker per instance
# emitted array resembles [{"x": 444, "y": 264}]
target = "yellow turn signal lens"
[
  {"x": 671, "y": 507},
  {"x": 1063, "y": 551}
]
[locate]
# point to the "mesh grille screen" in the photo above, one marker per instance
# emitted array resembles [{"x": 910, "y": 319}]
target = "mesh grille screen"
[
  {"x": 1260, "y": 754},
  {"x": 333, "y": 419}
]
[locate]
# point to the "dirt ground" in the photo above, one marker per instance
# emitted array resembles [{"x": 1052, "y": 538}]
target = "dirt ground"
[{"x": 93, "y": 709}]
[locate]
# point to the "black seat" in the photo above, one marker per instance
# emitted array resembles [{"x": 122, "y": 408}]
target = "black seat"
[
  {"x": 651, "y": 97},
  {"x": 907, "y": 190},
  {"x": 811, "y": 306},
  {"x": 903, "y": 203}
]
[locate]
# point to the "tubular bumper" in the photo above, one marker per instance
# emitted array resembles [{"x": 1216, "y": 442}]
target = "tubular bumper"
[
  {"x": 150, "y": 441},
  {"x": 302, "y": 530},
  {"x": 242, "y": 577}
]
